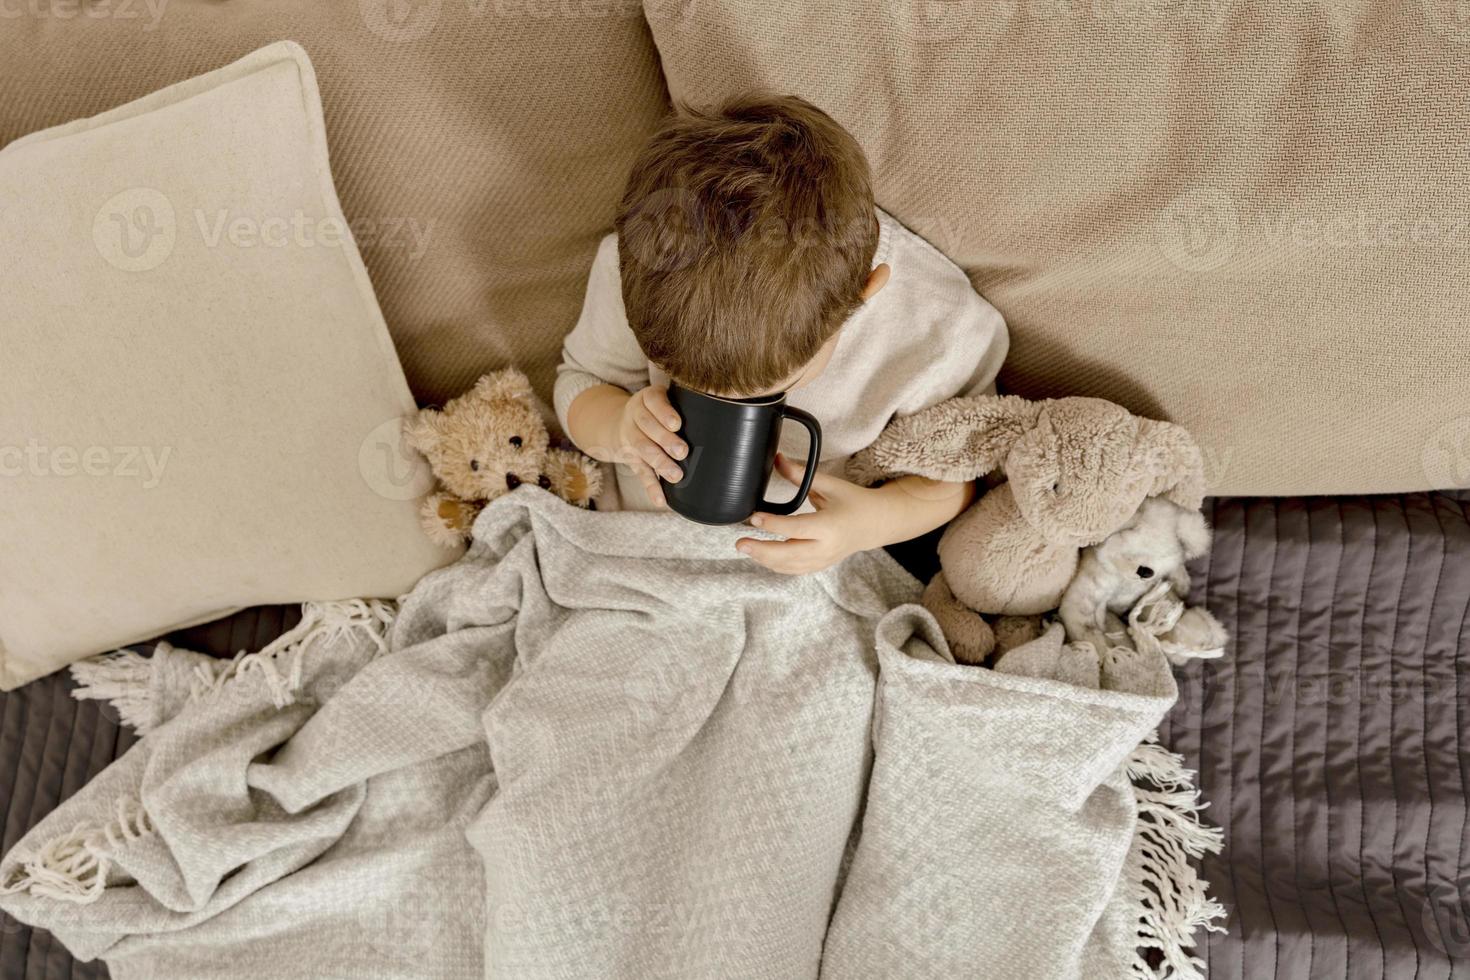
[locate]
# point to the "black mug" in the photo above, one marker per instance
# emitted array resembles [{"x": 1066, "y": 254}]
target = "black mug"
[{"x": 732, "y": 449}]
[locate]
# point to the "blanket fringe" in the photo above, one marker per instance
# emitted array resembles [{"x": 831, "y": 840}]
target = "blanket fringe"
[
  {"x": 280, "y": 662},
  {"x": 124, "y": 677},
  {"x": 1173, "y": 900},
  {"x": 73, "y": 867}
]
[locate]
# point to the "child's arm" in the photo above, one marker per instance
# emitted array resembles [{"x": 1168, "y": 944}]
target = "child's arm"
[
  {"x": 601, "y": 364},
  {"x": 609, "y": 424},
  {"x": 850, "y": 518}
]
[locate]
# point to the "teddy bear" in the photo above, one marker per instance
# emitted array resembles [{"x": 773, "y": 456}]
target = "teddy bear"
[
  {"x": 1077, "y": 470},
  {"x": 486, "y": 443}
]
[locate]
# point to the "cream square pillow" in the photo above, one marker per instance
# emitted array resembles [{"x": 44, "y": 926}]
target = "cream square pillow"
[
  {"x": 199, "y": 400},
  {"x": 479, "y": 146}
]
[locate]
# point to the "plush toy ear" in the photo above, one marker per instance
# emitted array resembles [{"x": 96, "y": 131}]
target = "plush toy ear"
[
  {"x": 502, "y": 385},
  {"x": 422, "y": 431},
  {"x": 1194, "y": 533},
  {"x": 954, "y": 441},
  {"x": 1173, "y": 463}
]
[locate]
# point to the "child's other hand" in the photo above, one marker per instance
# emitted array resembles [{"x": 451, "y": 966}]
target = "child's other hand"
[
  {"x": 647, "y": 443},
  {"x": 848, "y": 519}
]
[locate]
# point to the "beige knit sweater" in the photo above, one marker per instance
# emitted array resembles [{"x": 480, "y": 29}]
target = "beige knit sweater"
[{"x": 925, "y": 337}]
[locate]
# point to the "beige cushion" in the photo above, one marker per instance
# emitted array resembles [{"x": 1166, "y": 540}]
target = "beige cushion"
[
  {"x": 479, "y": 145},
  {"x": 199, "y": 400},
  {"x": 1247, "y": 217}
]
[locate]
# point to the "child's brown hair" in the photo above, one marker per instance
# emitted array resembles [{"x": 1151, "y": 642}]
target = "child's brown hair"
[{"x": 746, "y": 236}]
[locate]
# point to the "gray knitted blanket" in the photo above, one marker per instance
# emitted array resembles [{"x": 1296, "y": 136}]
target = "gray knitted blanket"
[{"x": 608, "y": 746}]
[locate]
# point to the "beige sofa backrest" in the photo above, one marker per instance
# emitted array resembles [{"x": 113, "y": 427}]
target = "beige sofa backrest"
[
  {"x": 1249, "y": 217},
  {"x": 1246, "y": 216}
]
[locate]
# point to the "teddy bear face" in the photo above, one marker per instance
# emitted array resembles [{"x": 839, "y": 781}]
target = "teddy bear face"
[
  {"x": 1076, "y": 473},
  {"x": 488, "y": 448},
  {"x": 486, "y": 442}
]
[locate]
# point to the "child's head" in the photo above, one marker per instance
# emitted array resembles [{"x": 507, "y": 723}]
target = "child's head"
[{"x": 746, "y": 237}]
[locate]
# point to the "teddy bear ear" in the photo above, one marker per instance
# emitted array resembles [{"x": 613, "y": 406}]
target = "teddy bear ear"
[
  {"x": 1194, "y": 533},
  {"x": 504, "y": 385},
  {"x": 1173, "y": 462},
  {"x": 422, "y": 431},
  {"x": 954, "y": 441}
]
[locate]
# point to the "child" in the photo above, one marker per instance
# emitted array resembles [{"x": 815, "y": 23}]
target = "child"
[{"x": 750, "y": 258}]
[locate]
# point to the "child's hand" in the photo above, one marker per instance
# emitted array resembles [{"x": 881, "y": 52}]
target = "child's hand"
[
  {"x": 647, "y": 443},
  {"x": 848, "y": 519}
]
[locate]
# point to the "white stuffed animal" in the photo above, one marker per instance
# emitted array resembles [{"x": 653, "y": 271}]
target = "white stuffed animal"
[{"x": 1138, "y": 573}]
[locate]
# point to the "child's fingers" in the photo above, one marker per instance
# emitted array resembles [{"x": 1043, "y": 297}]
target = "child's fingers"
[
  {"x": 628, "y": 456},
  {"x": 651, "y": 427},
  {"x": 651, "y": 486},
  {"x": 652, "y": 455},
  {"x": 789, "y": 526},
  {"x": 824, "y": 485},
  {"x": 830, "y": 486},
  {"x": 789, "y": 468},
  {"x": 793, "y": 471},
  {"x": 656, "y": 400},
  {"x": 787, "y": 557}
]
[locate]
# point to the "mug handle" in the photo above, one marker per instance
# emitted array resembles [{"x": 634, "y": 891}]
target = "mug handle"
[{"x": 812, "y": 458}]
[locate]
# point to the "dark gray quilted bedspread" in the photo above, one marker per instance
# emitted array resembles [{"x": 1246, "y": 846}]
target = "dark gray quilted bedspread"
[
  {"x": 1329, "y": 741},
  {"x": 1332, "y": 740},
  {"x": 50, "y": 746}
]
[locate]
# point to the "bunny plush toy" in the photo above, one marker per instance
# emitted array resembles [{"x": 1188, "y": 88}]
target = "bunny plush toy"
[{"x": 1078, "y": 471}]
